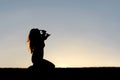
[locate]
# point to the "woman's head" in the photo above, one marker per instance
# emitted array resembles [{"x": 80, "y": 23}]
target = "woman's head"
[{"x": 33, "y": 38}]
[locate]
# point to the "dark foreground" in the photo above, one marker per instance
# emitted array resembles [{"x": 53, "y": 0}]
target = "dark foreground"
[{"x": 100, "y": 73}]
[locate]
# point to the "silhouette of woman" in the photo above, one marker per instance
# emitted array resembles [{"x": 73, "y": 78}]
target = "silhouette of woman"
[{"x": 36, "y": 42}]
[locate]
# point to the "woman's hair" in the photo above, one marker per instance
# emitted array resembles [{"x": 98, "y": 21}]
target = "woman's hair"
[{"x": 33, "y": 38}]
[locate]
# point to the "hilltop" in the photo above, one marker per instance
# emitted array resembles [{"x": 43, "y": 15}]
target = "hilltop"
[{"x": 60, "y": 73}]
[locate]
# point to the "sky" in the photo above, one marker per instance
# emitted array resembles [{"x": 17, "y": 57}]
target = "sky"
[{"x": 84, "y": 33}]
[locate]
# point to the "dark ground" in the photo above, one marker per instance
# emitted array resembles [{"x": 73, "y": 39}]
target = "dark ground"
[{"x": 96, "y": 73}]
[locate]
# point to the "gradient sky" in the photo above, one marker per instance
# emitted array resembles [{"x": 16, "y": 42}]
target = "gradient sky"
[{"x": 84, "y": 33}]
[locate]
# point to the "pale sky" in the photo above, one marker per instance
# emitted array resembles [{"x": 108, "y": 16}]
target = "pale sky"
[{"x": 84, "y": 33}]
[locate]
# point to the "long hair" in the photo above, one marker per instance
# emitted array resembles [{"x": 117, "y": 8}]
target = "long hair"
[{"x": 33, "y": 39}]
